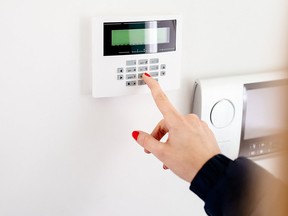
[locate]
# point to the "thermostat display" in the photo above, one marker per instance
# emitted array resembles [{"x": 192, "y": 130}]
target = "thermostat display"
[{"x": 125, "y": 48}]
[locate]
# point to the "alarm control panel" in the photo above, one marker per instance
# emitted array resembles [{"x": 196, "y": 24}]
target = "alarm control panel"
[{"x": 126, "y": 48}]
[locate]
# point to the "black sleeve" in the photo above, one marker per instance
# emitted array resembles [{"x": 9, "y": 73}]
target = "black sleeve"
[{"x": 238, "y": 187}]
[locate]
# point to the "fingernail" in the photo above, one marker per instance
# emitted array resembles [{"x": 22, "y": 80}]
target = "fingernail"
[
  {"x": 165, "y": 167},
  {"x": 146, "y": 74},
  {"x": 135, "y": 135}
]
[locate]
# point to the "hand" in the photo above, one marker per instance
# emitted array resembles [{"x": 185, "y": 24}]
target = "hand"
[{"x": 190, "y": 142}]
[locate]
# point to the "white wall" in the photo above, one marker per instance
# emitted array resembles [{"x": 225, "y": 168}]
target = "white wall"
[{"x": 63, "y": 152}]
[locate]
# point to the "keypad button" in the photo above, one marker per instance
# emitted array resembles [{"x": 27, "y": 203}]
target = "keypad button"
[
  {"x": 141, "y": 82},
  {"x": 154, "y": 61},
  {"x": 142, "y": 68},
  {"x": 136, "y": 68},
  {"x": 140, "y": 75},
  {"x": 120, "y": 77},
  {"x": 120, "y": 70},
  {"x": 130, "y": 69},
  {"x": 154, "y": 74},
  {"x": 131, "y": 76},
  {"x": 131, "y": 62},
  {"x": 130, "y": 83},
  {"x": 154, "y": 67},
  {"x": 143, "y": 61}
]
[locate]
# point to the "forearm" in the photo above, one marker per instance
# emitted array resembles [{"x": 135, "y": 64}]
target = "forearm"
[{"x": 237, "y": 187}]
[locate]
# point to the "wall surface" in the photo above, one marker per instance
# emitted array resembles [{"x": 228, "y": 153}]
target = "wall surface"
[{"x": 63, "y": 153}]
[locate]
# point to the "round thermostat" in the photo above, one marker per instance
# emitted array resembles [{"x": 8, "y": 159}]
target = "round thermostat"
[{"x": 222, "y": 113}]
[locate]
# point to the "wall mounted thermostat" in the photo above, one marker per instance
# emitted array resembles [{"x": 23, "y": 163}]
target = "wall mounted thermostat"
[
  {"x": 247, "y": 113},
  {"x": 124, "y": 48}
]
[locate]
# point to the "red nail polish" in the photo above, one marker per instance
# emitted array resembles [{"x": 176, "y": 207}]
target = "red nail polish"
[
  {"x": 146, "y": 74},
  {"x": 165, "y": 167},
  {"x": 135, "y": 135}
]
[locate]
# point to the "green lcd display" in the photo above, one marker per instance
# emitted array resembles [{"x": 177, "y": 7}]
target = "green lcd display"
[
  {"x": 131, "y": 37},
  {"x": 139, "y": 37}
]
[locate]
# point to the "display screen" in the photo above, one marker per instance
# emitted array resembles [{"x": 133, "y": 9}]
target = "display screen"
[
  {"x": 132, "y": 37},
  {"x": 139, "y": 37},
  {"x": 265, "y": 114},
  {"x": 264, "y": 118}
]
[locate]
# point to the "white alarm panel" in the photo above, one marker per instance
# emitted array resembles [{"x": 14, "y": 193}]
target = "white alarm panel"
[
  {"x": 124, "y": 48},
  {"x": 246, "y": 113}
]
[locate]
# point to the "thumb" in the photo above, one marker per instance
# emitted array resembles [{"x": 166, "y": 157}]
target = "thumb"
[{"x": 147, "y": 141}]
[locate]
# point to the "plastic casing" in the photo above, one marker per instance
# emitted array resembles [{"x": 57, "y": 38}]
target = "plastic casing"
[
  {"x": 208, "y": 92},
  {"x": 104, "y": 68}
]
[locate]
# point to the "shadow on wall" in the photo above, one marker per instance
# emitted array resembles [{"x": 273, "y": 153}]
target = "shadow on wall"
[{"x": 85, "y": 55}]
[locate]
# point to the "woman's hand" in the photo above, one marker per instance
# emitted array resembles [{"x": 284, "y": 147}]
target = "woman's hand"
[{"x": 190, "y": 142}]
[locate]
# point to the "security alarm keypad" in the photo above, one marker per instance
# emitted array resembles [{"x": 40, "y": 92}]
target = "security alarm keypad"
[
  {"x": 131, "y": 74},
  {"x": 125, "y": 48}
]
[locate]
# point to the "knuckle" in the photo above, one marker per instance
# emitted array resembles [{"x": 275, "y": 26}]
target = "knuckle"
[
  {"x": 161, "y": 152},
  {"x": 193, "y": 117},
  {"x": 204, "y": 124}
]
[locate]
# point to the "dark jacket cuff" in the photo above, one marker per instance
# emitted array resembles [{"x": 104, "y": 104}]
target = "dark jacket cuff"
[{"x": 208, "y": 175}]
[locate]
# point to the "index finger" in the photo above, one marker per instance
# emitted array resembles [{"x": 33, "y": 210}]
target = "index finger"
[{"x": 166, "y": 108}]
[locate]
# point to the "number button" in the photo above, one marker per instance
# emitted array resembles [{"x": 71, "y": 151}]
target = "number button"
[
  {"x": 154, "y": 74},
  {"x": 143, "y": 61},
  {"x": 154, "y": 61},
  {"x": 130, "y": 76},
  {"x": 154, "y": 67},
  {"x": 141, "y": 82},
  {"x": 142, "y": 68},
  {"x": 140, "y": 75},
  {"x": 130, "y": 69},
  {"x": 130, "y": 62}
]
